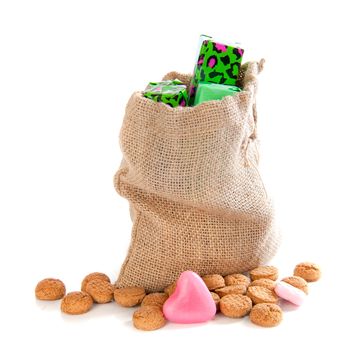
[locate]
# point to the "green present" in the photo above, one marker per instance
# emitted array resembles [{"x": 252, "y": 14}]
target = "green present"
[
  {"x": 217, "y": 63},
  {"x": 210, "y": 91},
  {"x": 170, "y": 92}
]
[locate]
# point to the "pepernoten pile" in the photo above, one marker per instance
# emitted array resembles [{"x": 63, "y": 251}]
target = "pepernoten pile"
[{"x": 257, "y": 294}]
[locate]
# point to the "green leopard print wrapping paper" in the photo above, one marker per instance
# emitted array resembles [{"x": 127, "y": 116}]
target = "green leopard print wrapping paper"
[
  {"x": 171, "y": 92},
  {"x": 217, "y": 63}
]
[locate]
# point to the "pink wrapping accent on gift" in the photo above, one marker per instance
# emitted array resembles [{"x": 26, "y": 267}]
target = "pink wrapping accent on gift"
[
  {"x": 221, "y": 47},
  {"x": 192, "y": 90},
  {"x": 212, "y": 62}
]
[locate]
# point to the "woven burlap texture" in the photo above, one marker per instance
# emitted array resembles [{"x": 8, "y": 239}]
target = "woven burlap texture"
[{"x": 196, "y": 197}]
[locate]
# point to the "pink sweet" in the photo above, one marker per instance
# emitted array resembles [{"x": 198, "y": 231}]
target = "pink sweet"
[
  {"x": 191, "y": 302},
  {"x": 290, "y": 293}
]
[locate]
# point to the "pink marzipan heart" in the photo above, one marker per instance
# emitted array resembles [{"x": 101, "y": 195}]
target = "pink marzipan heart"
[{"x": 191, "y": 302}]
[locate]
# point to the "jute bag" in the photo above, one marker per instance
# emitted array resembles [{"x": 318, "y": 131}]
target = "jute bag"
[{"x": 196, "y": 198}]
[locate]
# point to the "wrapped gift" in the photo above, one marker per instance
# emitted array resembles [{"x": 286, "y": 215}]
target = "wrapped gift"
[
  {"x": 217, "y": 63},
  {"x": 170, "y": 92},
  {"x": 210, "y": 91}
]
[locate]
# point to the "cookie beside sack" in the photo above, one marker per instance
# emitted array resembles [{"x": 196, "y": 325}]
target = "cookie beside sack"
[{"x": 196, "y": 197}]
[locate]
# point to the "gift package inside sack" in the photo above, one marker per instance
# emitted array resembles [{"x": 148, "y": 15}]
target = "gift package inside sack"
[
  {"x": 190, "y": 174},
  {"x": 203, "y": 225}
]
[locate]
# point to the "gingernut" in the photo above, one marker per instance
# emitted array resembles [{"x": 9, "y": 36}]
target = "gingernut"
[
  {"x": 266, "y": 315},
  {"x": 264, "y": 282},
  {"x": 93, "y": 276},
  {"x": 236, "y": 278},
  {"x": 50, "y": 289},
  {"x": 235, "y": 305},
  {"x": 216, "y": 299},
  {"x": 148, "y": 318},
  {"x": 260, "y": 295},
  {"x": 100, "y": 290},
  {"x": 129, "y": 296},
  {"x": 214, "y": 281},
  {"x": 76, "y": 303},
  {"x": 269, "y": 272},
  {"x": 297, "y": 282},
  {"x": 155, "y": 299},
  {"x": 234, "y": 289},
  {"x": 170, "y": 289},
  {"x": 309, "y": 271}
]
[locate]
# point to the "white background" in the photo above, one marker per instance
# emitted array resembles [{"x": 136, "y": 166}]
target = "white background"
[{"x": 67, "y": 69}]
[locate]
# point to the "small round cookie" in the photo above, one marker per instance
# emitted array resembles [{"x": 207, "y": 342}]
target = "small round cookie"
[
  {"x": 170, "y": 289},
  {"x": 76, "y": 303},
  {"x": 266, "y": 315},
  {"x": 297, "y": 282},
  {"x": 236, "y": 278},
  {"x": 234, "y": 289},
  {"x": 269, "y": 272},
  {"x": 93, "y": 276},
  {"x": 309, "y": 271},
  {"x": 101, "y": 291},
  {"x": 214, "y": 281},
  {"x": 260, "y": 295},
  {"x": 129, "y": 296},
  {"x": 216, "y": 299},
  {"x": 156, "y": 299},
  {"x": 50, "y": 289},
  {"x": 235, "y": 305},
  {"x": 264, "y": 282},
  {"x": 148, "y": 318}
]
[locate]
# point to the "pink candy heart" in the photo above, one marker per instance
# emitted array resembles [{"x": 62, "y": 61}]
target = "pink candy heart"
[{"x": 191, "y": 302}]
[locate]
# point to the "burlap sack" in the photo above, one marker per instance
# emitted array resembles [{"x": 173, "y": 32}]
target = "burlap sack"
[{"x": 196, "y": 197}]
